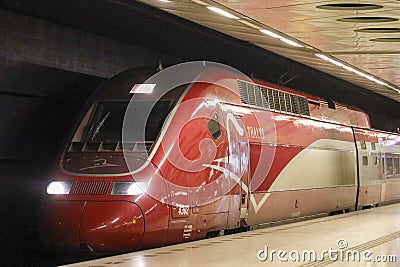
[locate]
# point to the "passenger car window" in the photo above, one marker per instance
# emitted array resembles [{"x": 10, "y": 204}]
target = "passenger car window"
[
  {"x": 365, "y": 160},
  {"x": 363, "y": 145},
  {"x": 389, "y": 166},
  {"x": 373, "y": 146},
  {"x": 396, "y": 167},
  {"x": 374, "y": 160}
]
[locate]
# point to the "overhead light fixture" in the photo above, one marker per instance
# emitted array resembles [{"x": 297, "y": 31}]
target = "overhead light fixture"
[
  {"x": 142, "y": 88},
  {"x": 283, "y": 39},
  {"x": 200, "y": 2},
  {"x": 362, "y": 74},
  {"x": 222, "y": 12},
  {"x": 272, "y": 34},
  {"x": 245, "y": 22},
  {"x": 292, "y": 43}
]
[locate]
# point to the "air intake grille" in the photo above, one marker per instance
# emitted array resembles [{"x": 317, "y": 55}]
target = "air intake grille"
[
  {"x": 252, "y": 95},
  {"x": 90, "y": 188},
  {"x": 271, "y": 99}
]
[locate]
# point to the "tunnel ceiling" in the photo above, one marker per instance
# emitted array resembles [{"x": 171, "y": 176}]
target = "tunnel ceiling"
[
  {"x": 354, "y": 40},
  {"x": 175, "y": 39}
]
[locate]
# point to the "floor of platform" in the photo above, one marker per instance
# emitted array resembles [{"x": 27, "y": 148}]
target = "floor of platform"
[{"x": 373, "y": 235}]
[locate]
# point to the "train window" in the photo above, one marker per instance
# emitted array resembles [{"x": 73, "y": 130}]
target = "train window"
[
  {"x": 373, "y": 146},
  {"x": 365, "y": 160},
  {"x": 363, "y": 145},
  {"x": 214, "y": 127},
  {"x": 331, "y": 104},
  {"x": 396, "y": 166},
  {"x": 374, "y": 160},
  {"x": 389, "y": 166},
  {"x": 106, "y": 122}
]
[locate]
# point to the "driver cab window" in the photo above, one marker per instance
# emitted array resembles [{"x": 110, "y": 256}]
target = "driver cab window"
[{"x": 214, "y": 127}]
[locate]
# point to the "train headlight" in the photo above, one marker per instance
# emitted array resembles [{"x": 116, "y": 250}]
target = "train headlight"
[
  {"x": 128, "y": 188},
  {"x": 59, "y": 188}
]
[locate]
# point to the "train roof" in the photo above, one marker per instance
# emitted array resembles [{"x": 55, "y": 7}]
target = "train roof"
[{"x": 322, "y": 109}]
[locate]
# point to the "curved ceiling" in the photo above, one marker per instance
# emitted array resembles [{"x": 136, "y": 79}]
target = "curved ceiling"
[{"x": 356, "y": 41}]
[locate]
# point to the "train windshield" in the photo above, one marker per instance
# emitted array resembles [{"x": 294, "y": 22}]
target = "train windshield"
[
  {"x": 101, "y": 129},
  {"x": 107, "y": 121}
]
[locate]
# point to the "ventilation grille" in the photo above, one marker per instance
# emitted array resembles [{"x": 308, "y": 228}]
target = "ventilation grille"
[
  {"x": 91, "y": 188},
  {"x": 252, "y": 94}
]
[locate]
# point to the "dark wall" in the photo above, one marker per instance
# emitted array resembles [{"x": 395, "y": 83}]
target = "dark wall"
[{"x": 33, "y": 125}]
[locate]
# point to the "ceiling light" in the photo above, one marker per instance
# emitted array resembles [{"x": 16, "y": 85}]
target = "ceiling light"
[
  {"x": 245, "y": 22},
  {"x": 283, "y": 39},
  {"x": 222, "y": 12},
  {"x": 362, "y": 74},
  {"x": 142, "y": 88},
  {"x": 337, "y": 63},
  {"x": 324, "y": 57},
  {"x": 293, "y": 43},
  {"x": 272, "y": 34},
  {"x": 200, "y": 2}
]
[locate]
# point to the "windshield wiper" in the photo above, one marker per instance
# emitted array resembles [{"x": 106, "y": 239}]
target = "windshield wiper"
[{"x": 98, "y": 126}]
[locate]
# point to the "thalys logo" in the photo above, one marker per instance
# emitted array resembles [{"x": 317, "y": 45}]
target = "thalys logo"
[{"x": 255, "y": 132}]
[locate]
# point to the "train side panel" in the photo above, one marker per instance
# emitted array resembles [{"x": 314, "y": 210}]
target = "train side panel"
[
  {"x": 378, "y": 159},
  {"x": 313, "y": 170},
  {"x": 389, "y": 147}
]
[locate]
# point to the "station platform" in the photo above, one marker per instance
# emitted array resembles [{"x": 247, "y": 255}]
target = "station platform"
[{"x": 362, "y": 238}]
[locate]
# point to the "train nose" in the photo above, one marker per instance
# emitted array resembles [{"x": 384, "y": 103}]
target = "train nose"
[
  {"x": 59, "y": 224},
  {"x": 99, "y": 227},
  {"x": 111, "y": 226}
]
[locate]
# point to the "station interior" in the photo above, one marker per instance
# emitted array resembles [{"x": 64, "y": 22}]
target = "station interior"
[{"x": 54, "y": 54}]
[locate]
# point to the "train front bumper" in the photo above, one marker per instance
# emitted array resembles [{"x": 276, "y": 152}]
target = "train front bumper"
[{"x": 91, "y": 226}]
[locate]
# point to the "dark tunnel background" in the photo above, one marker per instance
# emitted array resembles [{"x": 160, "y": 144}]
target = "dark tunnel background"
[
  {"x": 33, "y": 127},
  {"x": 55, "y": 53}
]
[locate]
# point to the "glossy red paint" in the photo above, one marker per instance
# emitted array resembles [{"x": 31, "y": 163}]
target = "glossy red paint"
[
  {"x": 59, "y": 224},
  {"x": 197, "y": 182},
  {"x": 112, "y": 225}
]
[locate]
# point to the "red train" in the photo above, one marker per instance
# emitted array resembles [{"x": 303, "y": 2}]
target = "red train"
[{"x": 179, "y": 156}]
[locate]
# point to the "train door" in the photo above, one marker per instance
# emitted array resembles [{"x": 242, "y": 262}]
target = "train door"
[
  {"x": 238, "y": 161},
  {"x": 244, "y": 184},
  {"x": 370, "y": 182}
]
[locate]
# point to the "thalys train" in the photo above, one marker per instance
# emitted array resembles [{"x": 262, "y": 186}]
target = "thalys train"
[{"x": 162, "y": 157}]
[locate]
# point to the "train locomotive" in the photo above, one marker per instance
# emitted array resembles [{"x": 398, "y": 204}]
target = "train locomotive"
[{"x": 216, "y": 152}]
